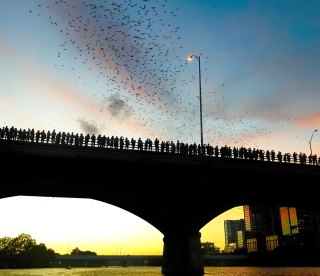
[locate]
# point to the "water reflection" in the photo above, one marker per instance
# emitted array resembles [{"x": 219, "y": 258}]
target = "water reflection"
[{"x": 156, "y": 271}]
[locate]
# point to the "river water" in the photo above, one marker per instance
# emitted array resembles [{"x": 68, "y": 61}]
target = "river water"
[{"x": 156, "y": 271}]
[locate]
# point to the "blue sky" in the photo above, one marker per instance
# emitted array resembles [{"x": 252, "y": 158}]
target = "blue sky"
[{"x": 119, "y": 68}]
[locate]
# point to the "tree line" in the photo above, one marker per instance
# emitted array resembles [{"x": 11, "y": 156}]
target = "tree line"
[{"x": 24, "y": 252}]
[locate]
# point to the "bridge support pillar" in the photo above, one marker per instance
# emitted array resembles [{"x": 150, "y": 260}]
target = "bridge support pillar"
[{"x": 182, "y": 254}]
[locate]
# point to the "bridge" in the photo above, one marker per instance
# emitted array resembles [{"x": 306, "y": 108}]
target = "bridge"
[
  {"x": 177, "y": 194},
  {"x": 107, "y": 260}
]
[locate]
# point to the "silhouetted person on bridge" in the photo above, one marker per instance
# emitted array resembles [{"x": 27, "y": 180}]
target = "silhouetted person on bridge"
[
  {"x": 268, "y": 155},
  {"x": 156, "y": 144},
  {"x": 48, "y": 136},
  {"x": 127, "y": 143},
  {"x": 116, "y": 142},
  {"x": 279, "y": 156},
  {"x": 86, "y": 140},
  {"x": 53, "y": 136},
  {"x": 81, "y": 139},
  {"x": 133, "y": 143},
  {"x": 140, "y": 144},
  {"x": 121, "y": 142}
]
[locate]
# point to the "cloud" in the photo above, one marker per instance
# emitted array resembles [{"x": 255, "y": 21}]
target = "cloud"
[
  {"x": 118, "y": 107},
  {"x": 309, "y": 121},
  {"x": 88, "y": 127}
]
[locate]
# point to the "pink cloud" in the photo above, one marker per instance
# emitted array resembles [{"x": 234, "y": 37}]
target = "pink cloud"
[{"x": 308, "y": 121}]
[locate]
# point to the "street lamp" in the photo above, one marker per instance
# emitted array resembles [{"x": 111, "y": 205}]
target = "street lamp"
[
  {"x": 190, "y": 58},
  {"x": 311, "y": 140}
]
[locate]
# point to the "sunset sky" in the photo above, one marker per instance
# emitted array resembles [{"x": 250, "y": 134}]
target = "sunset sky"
[
  {"x": 119, "y": 68},
  {"x": 63, "y": 224}
]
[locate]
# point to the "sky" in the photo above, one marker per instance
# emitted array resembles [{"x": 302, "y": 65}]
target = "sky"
[
  {"x": 119, "y": 68},
  {"x": 63, "y": 224}
]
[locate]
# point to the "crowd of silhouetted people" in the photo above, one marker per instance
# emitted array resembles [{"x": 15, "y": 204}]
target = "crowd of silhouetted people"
[{"x": 124, "y": 143}]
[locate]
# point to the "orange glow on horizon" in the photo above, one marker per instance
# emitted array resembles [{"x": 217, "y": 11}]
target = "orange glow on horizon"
[{"x": 92, "y": 225}]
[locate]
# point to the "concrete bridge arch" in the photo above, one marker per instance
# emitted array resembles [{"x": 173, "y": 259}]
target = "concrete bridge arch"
[{"x": 178, "y": 195}]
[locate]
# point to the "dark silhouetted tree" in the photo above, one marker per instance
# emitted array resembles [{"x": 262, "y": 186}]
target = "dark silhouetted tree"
[
  {"x": 77, "y": 251},
  {"x": 23, "y": 251}
]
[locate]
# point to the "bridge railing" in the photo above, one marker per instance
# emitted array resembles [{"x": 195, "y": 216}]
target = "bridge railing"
[{"x": 168, "y": 147}]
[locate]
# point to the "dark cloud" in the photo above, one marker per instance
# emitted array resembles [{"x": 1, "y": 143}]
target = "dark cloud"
[
  {"x": 87, "y": 127},
  {"x": 118, "y": 107}
]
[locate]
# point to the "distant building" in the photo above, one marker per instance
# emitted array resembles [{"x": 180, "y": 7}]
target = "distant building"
[
  {"x": 272, "y": 242},
  {"x": 252, "y": 245},
  {"x": 267, "y": 228},
  {"x": 289, "y": 221},
  {"x": 208, "y": 248},
  {"x": 231, "y": 228},
  {"x": 264, "y": 219},
  {"x": 241, "y": 239},
  {"x": 231, "y": 247},
  {"x": 260, "y": 222},
  {"x": 255, "y": 241},
  {"x": 308, "y": 225}
]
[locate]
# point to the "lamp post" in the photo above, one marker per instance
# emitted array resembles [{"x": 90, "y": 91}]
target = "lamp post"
[
  {"x": 311, "y": 140},
  {"x": 190, "y": 58}
]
